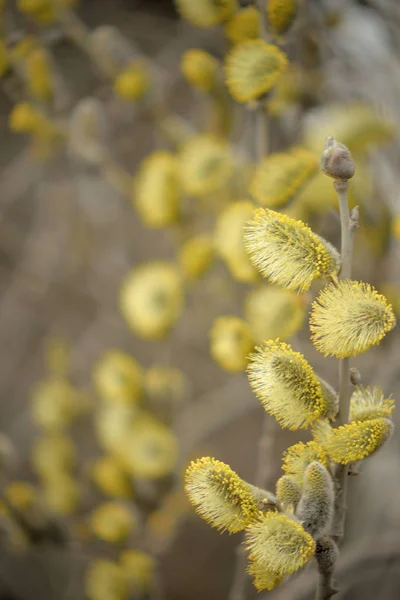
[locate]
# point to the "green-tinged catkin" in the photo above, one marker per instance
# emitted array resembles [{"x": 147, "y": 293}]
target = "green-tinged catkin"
[
  {"x": 281, "y": 14},
  {"x": 219, "y": 496},
  {"x": 326, "y": 554},
  {"x": 286, "y": 385},
  {"x": 287, "y": 252},
  {"x": 331, "y": 398},
  {"x": 358, "y": 440},
  {"x": 297, "y": 458},
  {"x": 315, "y": 509},
  {"x": 349, "y": 317},
  {"x": 288, "y": 493},
  {"x": 205, "y": 13},
  {"x": 252, "y": 68},
  {"x": 370, "y": 403},
  {"x": 277, "y": 546},
  {"x": 279, "y": 177}
]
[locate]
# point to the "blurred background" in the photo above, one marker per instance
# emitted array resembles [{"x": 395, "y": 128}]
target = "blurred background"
[{"x": 124, "y": 187}]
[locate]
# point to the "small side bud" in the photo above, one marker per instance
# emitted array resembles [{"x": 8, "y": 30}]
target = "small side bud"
[
  {"x": 336, "y": 160},
  {"x": 326, "y": 554},
  {"x": 315, "y": 509},
  {"x": 264, "y": 500},
  {"x": 355, "y": 376}
]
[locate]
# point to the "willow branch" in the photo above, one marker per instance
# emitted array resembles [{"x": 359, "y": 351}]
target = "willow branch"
[{"x": 349, "y": 223}]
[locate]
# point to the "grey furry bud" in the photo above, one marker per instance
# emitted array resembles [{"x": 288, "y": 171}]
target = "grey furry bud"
[
  {"x": 326, "y": 554},
  {"x": 315, "y": 509},
  {"x": 336, "y": 160}
]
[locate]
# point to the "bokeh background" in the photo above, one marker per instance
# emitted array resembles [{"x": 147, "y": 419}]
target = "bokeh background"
[{"x": 68, "y": 238}]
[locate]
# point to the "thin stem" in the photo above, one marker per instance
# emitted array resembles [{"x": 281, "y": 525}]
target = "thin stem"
[
  {"x": 325, "y": 589},
  {"x": 260, "y": 132},
  {"x": 261, "y": 4},
  {"x": 349, "y": 223}
]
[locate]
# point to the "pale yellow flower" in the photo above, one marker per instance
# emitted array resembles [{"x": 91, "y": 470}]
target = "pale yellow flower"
[
  {"x": 151, "y": 299},
  {"x": 112, "y": 522},
  {"x": 252, "y": 68},
  {"x": 231, "y": 343},
  {"x": 219, "y": 496},
  {"x": 118, "y": 378}
]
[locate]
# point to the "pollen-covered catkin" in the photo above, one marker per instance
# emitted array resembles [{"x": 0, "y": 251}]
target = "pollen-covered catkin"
[
  {"x": 252, "y": 68},
  {"x": 286, "y": 385},
  {"x": 358, "y": 440},
  {"x": 315, "y": 509},
  {"x": 297, "y": 458},
  {"x": 349, "y": 317},
  {"x": 279, "y": 177},
  {"x": 219, "y": 496},
  {"x": 287, "y": 252},
  {"x": 277, "y": 546},
  {"x": 369, "y": 403}
]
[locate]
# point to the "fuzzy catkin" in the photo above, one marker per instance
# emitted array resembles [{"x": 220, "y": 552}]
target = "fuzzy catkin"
[
  {"x": 219, "y": 496},
  {"x": 315, "y": 509},
  {"x": 287, "y": 252},
  {"x": 286, "y": 385}
]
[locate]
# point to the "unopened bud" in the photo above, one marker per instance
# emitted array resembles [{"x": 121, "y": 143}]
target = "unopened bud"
[
  {"x": 326, "y": 554},
  {"x": 315, "y": 509},
  {"x": 355, "y": 376},
  {"x": 336, "y": 160}
]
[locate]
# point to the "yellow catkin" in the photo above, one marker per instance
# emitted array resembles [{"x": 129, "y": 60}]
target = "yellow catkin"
[
  {"x": 196, "y": 256},
  {"x": 272, "y": 312},
  {"x": 54, "y": 404},
  {"x": 219, "y": 496},
  {"x": 252, "y": 68},
  {"x": 277, "y": 546},
  {"x": 297, "y": 458},
  {"x": 206, "y": 165},
  {"x": 288, "y": 493},
  {"x": 39, "y": 76},
  {"x": 396, "y": 227},
  {"x": 133, "y": 82},
  {"x": 61, "y": 494},
  {"x": 231, "y": 343},
  {"x": 229, "y": 242},
  {"x": 281, "y": 14},
  {"x": 287, "y": 252},
  {"x": 200, "y": 69},
  {"x": 279, "y": 177},
  {"x": 151, "y": 299},
  {"x": 139, "y": 568},
  {"x": 118, "y": 378},
  {"x": 370, "y": 403},
  {"x": 52, "y": 454},
  {"x": 110, "y": 478},
  {"x": 349, "y": 317},
  {"x": 106, "y": 580},
  {"x": 112, "y": 522},
  {"x": 205, "y": 13},
  {"x": 286, "y": 385},
  {"x": 149, "y": 450},
  {"x": 358, "y": 440},
  {"x": 156, "y": 193},
  {"x": 243, "y": 25}
]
